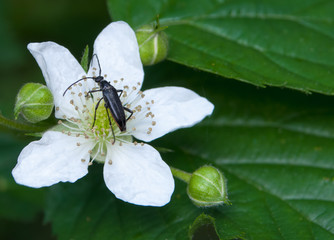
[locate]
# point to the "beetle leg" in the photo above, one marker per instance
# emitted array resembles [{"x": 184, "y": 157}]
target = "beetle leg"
[
  {"x": 121, "y": 91},
  {"x": 96, "y": 106},
  {"x": 112, "y": 130},
  {"x": 92, "y": 91},
  {"x": 128, "y": 110}
]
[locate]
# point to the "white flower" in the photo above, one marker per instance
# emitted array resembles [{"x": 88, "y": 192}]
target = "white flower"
[{"x": 133, "y": 171}]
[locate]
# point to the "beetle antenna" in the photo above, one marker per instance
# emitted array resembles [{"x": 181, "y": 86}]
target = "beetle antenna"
[
  {"x": 75, "y": 83},
  {"x": 98, "y": 62}
]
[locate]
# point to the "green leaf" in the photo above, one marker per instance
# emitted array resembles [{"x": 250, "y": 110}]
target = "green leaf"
[
  {"x": 276, "y": 43},
  {"x": 85, "y": 59},
  {"x": 276, "y": 150},
  {"x": 274, "y": 147},
  {"x": 203, "y": 228}
]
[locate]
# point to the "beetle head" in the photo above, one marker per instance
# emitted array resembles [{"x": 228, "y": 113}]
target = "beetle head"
[{"x": 98, "y": 79}]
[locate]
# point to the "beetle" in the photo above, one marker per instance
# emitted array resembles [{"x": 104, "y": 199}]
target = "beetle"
[{"x": 111, "y": 100}]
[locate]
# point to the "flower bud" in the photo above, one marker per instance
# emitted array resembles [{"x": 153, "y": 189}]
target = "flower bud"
[
  {"x": 153, "y": 44},
  {"x": 207, "y": 187},
  {"x": 34, "y": 101}
]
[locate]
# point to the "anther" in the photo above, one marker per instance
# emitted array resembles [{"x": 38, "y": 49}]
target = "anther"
[
  {"x": 76, "y": 108},
  {"x": 64, "y": 116},
  {"x": 77, "y": 135},
  {"x": 120, "y": 143},
  {"x": 80, "y": 84},
  {"x": 134, "y": 88},
  {"x": 126, "y": 87},
  {"x": 83, "y": 160},
  {"x": 142, "y": 96},
  {"x": 105, "y": 75},
  {"x": 57, "y": 108},
  {"x": 152, "y": 101},
  {"x": 60, "y": 122},
  {"x": 78, "y": 144},
  {"x": 122, "y": 79},
  {"x": 135, "y": 143},
  {"x": 72, "y": 102},
  {"x": 142, "y": 144},
  {"x": 133, "y": 129},
  {"x": 103, "y": 154},
  {"x": 69, "y": 133},
  {"x": 147, "y": 103},
  {"x": 110, "y": 162},
  {"x": 153, "y": 123},
  {"x": 90, "y": 151},
  {"x": 138, "y": 83},
  {"x": 115, "y": 81},
  {"x": 80, "y": 94}
]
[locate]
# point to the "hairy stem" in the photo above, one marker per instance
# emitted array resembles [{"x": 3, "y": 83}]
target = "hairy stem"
[
  {"x": 182, "y": 175},
  {"x": 14, "y": 125}
]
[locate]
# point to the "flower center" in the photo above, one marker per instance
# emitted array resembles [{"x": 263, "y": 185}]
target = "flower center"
[
  {"x": 105, "y": 133},
  {"x": 102, "y": 120}
]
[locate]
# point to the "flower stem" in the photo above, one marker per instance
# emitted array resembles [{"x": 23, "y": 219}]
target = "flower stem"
[
  {"x": 11, "y": 124},
  {"x": 182, "y": 175}
]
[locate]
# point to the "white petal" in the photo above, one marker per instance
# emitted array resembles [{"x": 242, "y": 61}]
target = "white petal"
[
  {"x": 138, "y": 175},
  {"x": 54, "y": 158},
  {"x": 173, "y": 108},
  {"x": 60, "y": 69},
  {"x": 118, "y": 52}
]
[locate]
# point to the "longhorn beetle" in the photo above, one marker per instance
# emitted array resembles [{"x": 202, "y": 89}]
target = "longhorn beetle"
[{"x": 111, "y": 100}]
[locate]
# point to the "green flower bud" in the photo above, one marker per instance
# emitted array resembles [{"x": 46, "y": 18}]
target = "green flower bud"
[
  {"x": 153, "y": 44},
  {"x": 34, "y": 101},
  {"x": 207, "y": 187}
]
